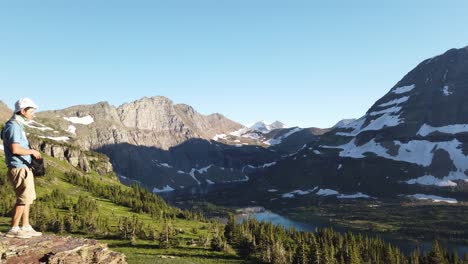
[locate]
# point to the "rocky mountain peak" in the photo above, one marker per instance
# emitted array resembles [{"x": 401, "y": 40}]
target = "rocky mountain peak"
[
  {"x": 277, "y": 125},
  {"x": 344, "y": 122},
  {"x": 265, "y": 127},
  {"x": 432, "y": 94},
  {"x": 415, "y": 135},
  {"x": 149, "y": 113}
]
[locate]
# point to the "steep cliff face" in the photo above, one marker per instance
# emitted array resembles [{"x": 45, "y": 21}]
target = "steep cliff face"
[
  {"x": 152, "y": 122},
  {"x": 87, "y": 161}
]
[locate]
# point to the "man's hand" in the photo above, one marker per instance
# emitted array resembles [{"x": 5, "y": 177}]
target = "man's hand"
[{"x": 36, "y": 154}]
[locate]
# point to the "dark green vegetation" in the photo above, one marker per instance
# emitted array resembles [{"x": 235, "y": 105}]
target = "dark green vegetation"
[
  {"x": 144, "y": 227},
  {"x": 266, "y": 243},
  {"x": 402, "y": 220}
]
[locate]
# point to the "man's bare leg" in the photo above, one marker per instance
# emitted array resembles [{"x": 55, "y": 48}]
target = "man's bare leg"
[
  {"x": 17, "y": 214},
  {"x": 26, "y": 215}
]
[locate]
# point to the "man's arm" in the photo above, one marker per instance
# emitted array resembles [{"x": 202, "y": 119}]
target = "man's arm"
[{"x": 18, "y": 150}]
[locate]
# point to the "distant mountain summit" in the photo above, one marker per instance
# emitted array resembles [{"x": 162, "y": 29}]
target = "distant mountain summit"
[
  {"x": 413, "y": 139},
  {"x": 344, "y": 122},
  {"x": 265, "y": 127}
]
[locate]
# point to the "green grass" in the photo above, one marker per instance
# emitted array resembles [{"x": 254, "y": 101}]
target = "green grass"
[
  {"x": 148, "y": 252},
  {"x": 140, "y": 251}
]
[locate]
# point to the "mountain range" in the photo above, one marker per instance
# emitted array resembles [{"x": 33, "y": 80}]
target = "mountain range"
[
  {"x": 412, "y": 141},
  {"x": 162, "y": 145}
]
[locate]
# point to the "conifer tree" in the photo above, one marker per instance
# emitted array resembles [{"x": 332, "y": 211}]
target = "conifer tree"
[{"x": 436, "y": 255}]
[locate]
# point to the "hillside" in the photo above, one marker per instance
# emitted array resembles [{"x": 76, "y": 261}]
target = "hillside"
[{"x": 129, "y": 219}]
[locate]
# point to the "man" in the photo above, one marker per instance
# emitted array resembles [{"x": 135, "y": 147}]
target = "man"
[{"x": 16, "y": 144}]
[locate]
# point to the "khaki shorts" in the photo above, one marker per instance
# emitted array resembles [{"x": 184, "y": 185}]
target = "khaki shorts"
[{"x": 22, "y": 180}]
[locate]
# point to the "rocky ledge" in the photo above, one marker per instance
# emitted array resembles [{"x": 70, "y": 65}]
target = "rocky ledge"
[{"x": 57, "y": 249}]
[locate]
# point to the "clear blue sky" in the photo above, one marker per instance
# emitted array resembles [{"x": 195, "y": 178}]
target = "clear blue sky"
[{"x": 306, "y": 63}]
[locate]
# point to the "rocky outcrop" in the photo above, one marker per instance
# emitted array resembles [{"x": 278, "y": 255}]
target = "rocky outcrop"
[
  {"x": 85, "y": 160},
  {"x": 55, "y": 249}
]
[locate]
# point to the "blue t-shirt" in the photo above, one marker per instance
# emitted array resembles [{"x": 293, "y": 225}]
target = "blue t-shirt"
[{"x": 13, "y": 132}]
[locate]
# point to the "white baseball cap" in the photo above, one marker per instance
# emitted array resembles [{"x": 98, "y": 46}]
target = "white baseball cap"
[{"x": 24, "y": 103}]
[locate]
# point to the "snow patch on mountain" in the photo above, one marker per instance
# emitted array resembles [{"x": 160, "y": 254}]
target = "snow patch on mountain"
[
  {"x": 433, "y": 198},
  {"x": 255, "y": 131},
  {"x": 327, "y": 192},
  {"x": 344, "y": 122},
  {"x": 444, "y": 182},
  {"x": 394, "y": 109},
  {"x": 167, "y": 188},
  {"x": 266, "y": 165},
  {"x": 205, "y": 169},
  {"x": 164, "y": 165},
  {"x": 416, "y": 151},
  {"x": 276, "y": 141},
  {"x": 265, "y": 127},
  {"x": 63, "y": 139},
  {"x": 263, "y": 166},
  {"x": 403, "y": 89},
  {"x": 71, "y": 129},
  {"x": 385, "y": 120},
  {"x": 420, "y": 152},
  {"x": 450, "y": 129},
  {"x": 209, "y": 182},
  {"x": 86, "y": 120},
  {"x": 395, "y": 102},
  {"x": 298, "y": 192},
  {"x": 295, "y": 153},
  {"x": 219, "y": 136},
  {"x": 246, "y": 133},
  {"x": 39, "y": 126},
  {"x": 353, "y": 196},
  {"x": 446, "y": 90}
]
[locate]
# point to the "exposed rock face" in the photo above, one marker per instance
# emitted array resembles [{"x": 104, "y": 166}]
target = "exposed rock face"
[
  {"x": 412, "y": 139},
  {"x": 57, "y": 249},
  {"x": 151, "y": 122},
  {"x": 5, "y": 112},
  {"x": 84, "y": 160}
]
